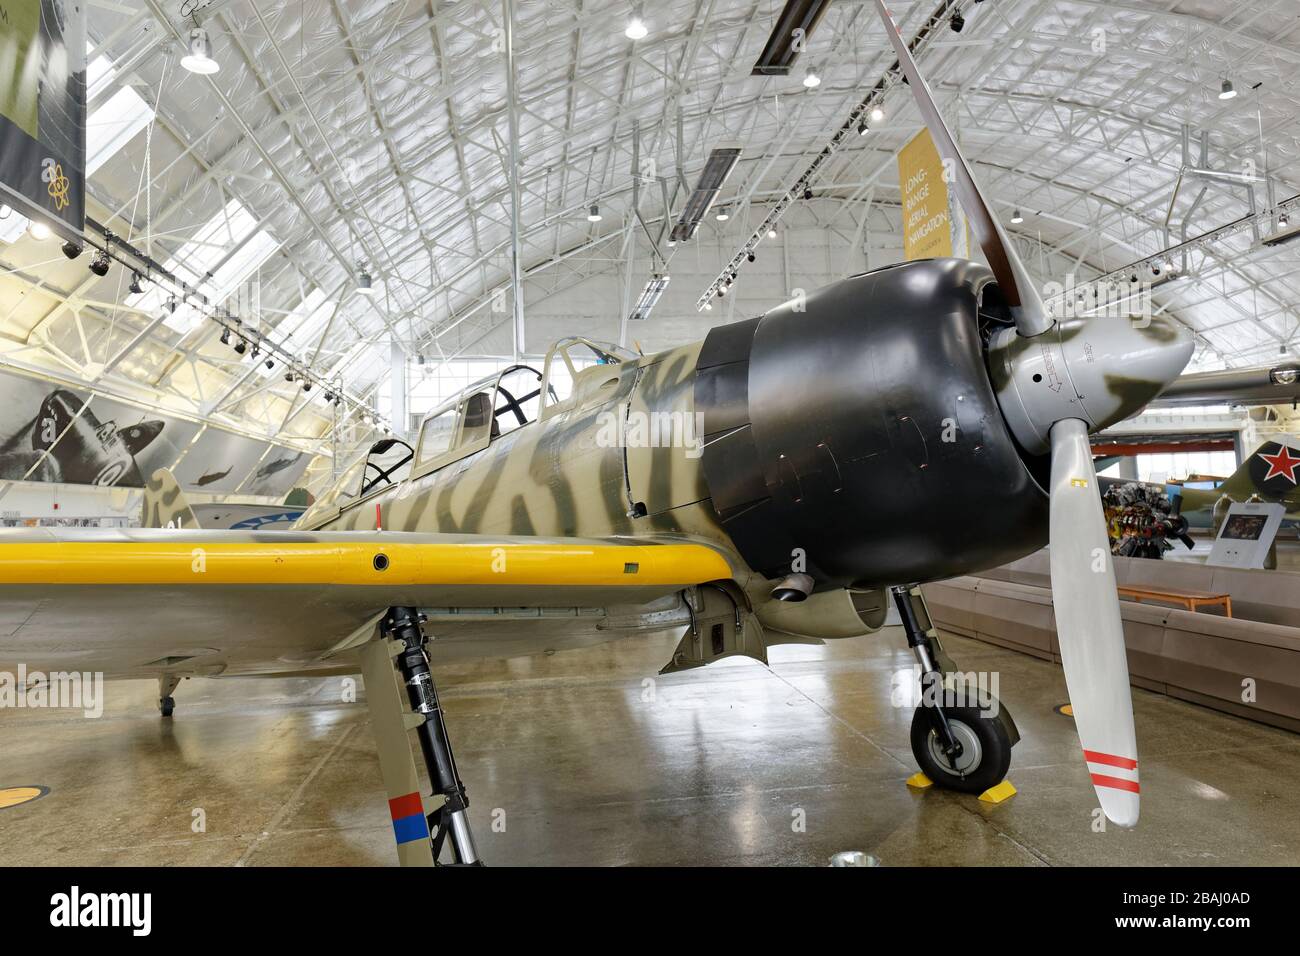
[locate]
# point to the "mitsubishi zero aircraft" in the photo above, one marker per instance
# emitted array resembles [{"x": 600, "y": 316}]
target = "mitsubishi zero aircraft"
[{"x": 919, "y": 421}]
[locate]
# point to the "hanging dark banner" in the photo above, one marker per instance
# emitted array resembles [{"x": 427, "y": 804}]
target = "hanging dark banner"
[{"x": 43, "y": 111}]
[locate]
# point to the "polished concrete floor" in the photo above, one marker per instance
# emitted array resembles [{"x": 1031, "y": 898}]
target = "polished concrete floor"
[{"x": 579, "y": 759}]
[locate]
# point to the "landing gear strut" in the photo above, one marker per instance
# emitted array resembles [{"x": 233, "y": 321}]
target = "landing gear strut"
[
  {"x": 166, "y": 703},
  {"x": 961, "y": 739},
  {"x": 402, "y": 626}
]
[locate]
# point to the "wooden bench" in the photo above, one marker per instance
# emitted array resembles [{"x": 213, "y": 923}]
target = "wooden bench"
[{"x": 1190, "y": 600}]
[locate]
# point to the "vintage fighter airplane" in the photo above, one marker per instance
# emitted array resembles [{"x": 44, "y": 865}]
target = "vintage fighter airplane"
[
  {"x": 1270, "y": 473},
  {"x": 90, "y": 452},
  {"x": 915, "y": 422}
]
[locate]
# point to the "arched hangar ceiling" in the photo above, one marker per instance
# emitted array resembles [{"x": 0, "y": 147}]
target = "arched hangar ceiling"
[{"x": 376, "y": 136}]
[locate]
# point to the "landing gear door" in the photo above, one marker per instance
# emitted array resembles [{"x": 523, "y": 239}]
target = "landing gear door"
[
  {"x": 719, "y": 628},
  {"x": 662, "y": 438}
]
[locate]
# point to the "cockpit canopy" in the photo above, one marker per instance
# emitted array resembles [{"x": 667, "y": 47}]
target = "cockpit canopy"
[
  {"x": 471, "y": 420},
  {"x": 484, "y": 410},
  {"x": 514, "y": 397}
]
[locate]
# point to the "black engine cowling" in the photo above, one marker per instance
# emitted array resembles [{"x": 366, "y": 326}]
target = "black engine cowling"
[{"x": 863, "y": 433}]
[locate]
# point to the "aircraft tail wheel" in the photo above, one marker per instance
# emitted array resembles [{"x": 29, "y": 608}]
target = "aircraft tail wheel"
[
  {"x": 985, "y": 749},
  {"x": 166, "y": 705}
]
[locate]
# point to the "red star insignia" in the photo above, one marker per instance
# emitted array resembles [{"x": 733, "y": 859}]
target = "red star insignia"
[{"x": 1283, "y": 463}]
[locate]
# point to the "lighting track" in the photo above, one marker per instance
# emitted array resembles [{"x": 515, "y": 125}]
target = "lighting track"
[
  {"x": 112, "y": 246},
  {"x": 849, "y": 129}
]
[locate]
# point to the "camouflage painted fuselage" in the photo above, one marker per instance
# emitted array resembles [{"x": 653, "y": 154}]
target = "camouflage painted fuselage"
[{"x": 561, "y": 475}]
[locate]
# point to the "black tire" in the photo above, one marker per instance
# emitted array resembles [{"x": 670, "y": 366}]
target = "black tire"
[
  {"x": 994, "y": 744},
  {"x": 166, "y": 705}
]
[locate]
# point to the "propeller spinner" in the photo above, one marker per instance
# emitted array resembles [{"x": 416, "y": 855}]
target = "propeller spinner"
[{"x": 1056, "y": 381}]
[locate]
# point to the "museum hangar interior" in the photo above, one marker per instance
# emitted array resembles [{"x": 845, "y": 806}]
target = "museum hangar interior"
[{"x": 580, "y": 432}]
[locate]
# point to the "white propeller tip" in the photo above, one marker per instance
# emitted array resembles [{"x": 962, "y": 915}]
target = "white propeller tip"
[
  {"x": 1121, "y": 809},
  {"x": 1116, "y": 781}
]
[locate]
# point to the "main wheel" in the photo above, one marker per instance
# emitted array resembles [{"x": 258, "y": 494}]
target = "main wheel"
[
  {"x": 166, "y": 705},
  {"x": 985, "y": 749}
]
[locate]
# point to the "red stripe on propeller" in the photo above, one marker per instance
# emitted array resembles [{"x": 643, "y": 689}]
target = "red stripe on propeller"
[
  {"x": 1096, "y": 756},
  {"x": 1115, "y": 783}
]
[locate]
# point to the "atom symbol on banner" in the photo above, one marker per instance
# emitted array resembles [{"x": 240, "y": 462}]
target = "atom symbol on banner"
[{"x": 58, "y": 188}]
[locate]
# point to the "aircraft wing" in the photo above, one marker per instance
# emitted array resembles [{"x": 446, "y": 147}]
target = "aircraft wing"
[
  {"x": 135, "y": 603},
  {"x": 1278, "y": 385}
]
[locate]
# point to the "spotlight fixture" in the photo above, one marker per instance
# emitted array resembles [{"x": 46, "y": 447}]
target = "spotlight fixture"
[
  {"x": 771, "y": 233},
  {"x": 1155, "y": 268},
  {"x": 672, "y": 243},
  {"x": 306, "y": 386},
  {"x": 99, "y": 265},
  {"x": 171, "y": 304},
  {"x": 241, "y": 347},
  {"x": 1226, "y": 91},
  {"x": 722, "y": 290},
  {"x": 257, "y": 350},
  {"x": 722, "y": 214},
  {"x": 329, "y": 397},
  {"x": 270, "y": 364},
  {"x": 636, "y": 29},
  {"x": 39, "y": 230},
  {"x": 225, "y": 336},
  {"x": 136, "y": 287},
  {"x": 811, "y": 80},
  {"x": 807, "y": 193},
  {"x": 363, "y": 283},
  {"x": 863, "y": 128},
  {"x": 1283, "y": 220},
  {"x": 593, "y": 214},
  {"x": 1016, "y": 218},
  {"x": 877, "y": 114},
  {"x": 72, "y": 249},
  {"x": 957, "y": 22},
  {"x": 708, "y": 306},
  {"x": 750, "y": 255},
  {"x": 199, "y": 59}
]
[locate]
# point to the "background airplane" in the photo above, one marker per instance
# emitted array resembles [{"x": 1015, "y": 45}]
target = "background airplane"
[{"x": 1271, "y": 472}]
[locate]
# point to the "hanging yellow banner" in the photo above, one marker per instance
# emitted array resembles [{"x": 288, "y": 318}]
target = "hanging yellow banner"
[
  {"x": 932, "y": 224},
  {"x": 927, "y": 231}
]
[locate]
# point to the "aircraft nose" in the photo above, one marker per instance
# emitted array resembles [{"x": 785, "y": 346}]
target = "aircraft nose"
[
  {"x": 1118, "y": 365},
  {"x": 1100, "y": 368}
]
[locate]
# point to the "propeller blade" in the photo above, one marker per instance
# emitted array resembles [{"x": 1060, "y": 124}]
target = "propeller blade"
[
  {"x": 1088, "y": 624},
  {"x": 1013, "y": 280}
]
